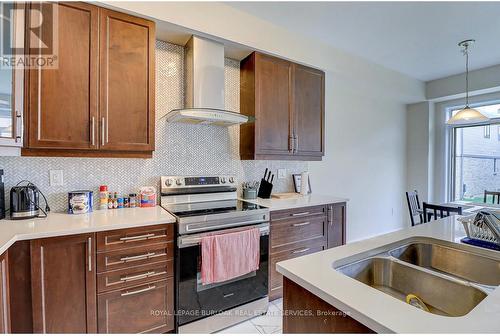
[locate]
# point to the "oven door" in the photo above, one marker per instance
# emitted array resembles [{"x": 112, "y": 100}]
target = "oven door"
[{"x": 195, "y": 300}]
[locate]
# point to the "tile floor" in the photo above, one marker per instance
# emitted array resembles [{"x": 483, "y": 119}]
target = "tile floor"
[{"x": 271, "y": 323}]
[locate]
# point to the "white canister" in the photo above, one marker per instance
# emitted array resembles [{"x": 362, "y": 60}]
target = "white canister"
[{"x": 304, "y": 183}]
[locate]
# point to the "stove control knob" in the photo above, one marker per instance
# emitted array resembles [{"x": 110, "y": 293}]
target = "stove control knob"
[
  {"x": 178, "y": 182},
  {"x": 222, "y": 180},
  {"x": 168, "y": 182},
  {"x": 231, "y": 179}
]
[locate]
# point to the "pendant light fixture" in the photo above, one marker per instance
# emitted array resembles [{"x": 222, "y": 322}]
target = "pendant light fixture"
[{"x": 467, "y": 115}]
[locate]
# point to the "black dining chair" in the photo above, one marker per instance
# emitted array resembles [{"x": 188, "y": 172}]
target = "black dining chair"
[
  {"x": 434, "y": 211},
  {"x": 494, "y": 194},
  {"x": 414, "y": 207}
]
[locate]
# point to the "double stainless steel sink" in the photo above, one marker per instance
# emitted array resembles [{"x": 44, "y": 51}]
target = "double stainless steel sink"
[{"x": 451, "y": 279}]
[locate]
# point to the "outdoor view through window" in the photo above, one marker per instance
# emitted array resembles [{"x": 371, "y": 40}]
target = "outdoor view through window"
[{"x": 477, "y": 158}]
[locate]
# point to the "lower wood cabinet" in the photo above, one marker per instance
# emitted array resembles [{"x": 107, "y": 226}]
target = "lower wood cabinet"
[
  {"x": 322, "y": 318},
  {"x": 118, "y": 281},
  {"x": 63, "y": 284},
  {"x": 135, "y": 284},
  {"x": 301, "y": 231},
  {"x": 146, "y": 308},
  {"x": 336, "y": 217},
  {"x": 4, "y": 295}
]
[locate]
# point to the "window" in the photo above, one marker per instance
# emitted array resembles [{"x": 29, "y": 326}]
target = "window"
[
  {"x": 487, "y": 132},
  {"x": 476, "y": 159}
]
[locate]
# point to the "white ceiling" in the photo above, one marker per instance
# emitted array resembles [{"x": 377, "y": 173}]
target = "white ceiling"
[{"x": 415, "y": 38}]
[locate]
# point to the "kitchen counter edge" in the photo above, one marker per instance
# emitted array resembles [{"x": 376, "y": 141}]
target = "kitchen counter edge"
[{"x": 63, "y": 224}]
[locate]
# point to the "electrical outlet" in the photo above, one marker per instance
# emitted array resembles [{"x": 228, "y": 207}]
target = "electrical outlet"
[
  {"x": 281, "y": 173},
  {"x": 56, "y": 178}
]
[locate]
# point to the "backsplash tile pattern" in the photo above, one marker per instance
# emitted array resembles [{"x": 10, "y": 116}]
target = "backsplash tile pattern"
[{"x": 180, "y": 149}]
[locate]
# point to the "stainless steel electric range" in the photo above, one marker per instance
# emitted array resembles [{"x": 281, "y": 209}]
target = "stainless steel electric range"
[{"x": 204, "y": 205}]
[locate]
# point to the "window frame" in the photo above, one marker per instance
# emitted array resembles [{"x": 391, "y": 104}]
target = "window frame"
[{"x": 451, "y": 135}]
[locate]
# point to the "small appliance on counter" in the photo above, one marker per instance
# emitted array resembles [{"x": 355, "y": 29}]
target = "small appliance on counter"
[
  {"x": 80, "y": 201},
  {"x": 25, "y": 201}
]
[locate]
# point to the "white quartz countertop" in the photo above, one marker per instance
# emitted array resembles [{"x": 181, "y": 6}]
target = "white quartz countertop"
[
  {"x": 381, "y": 312},
  {"x": 61, "y": 224},
  {"x": 275, "y": 204}
]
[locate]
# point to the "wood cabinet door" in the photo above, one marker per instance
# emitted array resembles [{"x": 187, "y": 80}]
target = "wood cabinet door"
[
  {"x": 62, "y": 102},
  {"x": 4, "y": 295},
  {"x": 63, "y": 283},
  {"x": 308, "y": 111},
  {"x": 272, "y": 106},
  {"x": 143, "y": 309},
  {"x": 336, "y": 216},
  {"x": 127, "y": 66}
]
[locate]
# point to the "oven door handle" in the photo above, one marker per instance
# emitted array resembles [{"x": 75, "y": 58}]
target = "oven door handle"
[
  {"x": 191, "y": 240},
  {"x": 224, "y": 226}
]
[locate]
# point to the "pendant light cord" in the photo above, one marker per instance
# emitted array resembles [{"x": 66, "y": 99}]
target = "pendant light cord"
[{"x": 466, "y": 52}]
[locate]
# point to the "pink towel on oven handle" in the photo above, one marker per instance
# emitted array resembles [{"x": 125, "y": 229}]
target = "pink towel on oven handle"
[{"x": 229, "y": 255}]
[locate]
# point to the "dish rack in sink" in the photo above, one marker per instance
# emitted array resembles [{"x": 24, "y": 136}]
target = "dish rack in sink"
[{"x": 483, "y": 229}]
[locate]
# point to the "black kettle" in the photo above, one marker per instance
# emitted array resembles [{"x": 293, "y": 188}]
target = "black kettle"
[{"x": 24, "y": 202}]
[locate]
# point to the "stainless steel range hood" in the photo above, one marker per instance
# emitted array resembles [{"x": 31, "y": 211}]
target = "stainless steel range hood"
[{"x": 204, "y": 89}]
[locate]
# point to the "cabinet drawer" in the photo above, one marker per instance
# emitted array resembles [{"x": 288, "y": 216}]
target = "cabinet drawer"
[
  {"x": 134, "y": 276},
  {"x": 275, "y": 278},
  {"x": 148, "y": 308},
  {"x": 140, "y": 255},
  {"x": 290, "y": 231},
  {"x": 299, "y": 212},
  {"x": 141, "y": 236}
]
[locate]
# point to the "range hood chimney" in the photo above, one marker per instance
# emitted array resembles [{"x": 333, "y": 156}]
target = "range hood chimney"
[{"x": 204, "y": 89}]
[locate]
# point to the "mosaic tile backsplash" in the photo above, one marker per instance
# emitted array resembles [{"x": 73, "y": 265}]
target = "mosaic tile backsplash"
[{"x": 180, "y": 149}]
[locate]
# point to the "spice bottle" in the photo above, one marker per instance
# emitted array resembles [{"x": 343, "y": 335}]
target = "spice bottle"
[
  {"x": 115, "y": 201},
  {"x": 120, "y": 202},
  {"x": 132, "y": 200},
  {"x": 103, "y": 197}
]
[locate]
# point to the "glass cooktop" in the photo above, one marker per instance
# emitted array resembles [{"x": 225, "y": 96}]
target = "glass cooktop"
[{"x": 211, "y": 208}]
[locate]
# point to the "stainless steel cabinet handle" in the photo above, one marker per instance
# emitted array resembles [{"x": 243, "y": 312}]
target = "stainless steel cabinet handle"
[
  {"x": 90, "y": 253},
  {"x": 138, "y": 291},
  {"x": 141, "y": 237},
  {"x": 103, "y": 126},
  {"x": 290, "y": 143},
  {"x": 228, "y": 295},
  {"x": 301, "y": 224},
  {"x": 330, "y": 215},
  {"x": 301, "y": 214},
  {"x": 138, "y": 257},
  {"x": 301, "y": 251},
  {"x": 19, "y": 126},
  {"x": 296, "y": 147},
  {"x": 136, "y": 277},
  {"x": 93, "y": 131}
]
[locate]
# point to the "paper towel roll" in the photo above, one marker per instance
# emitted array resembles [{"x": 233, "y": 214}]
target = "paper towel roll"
[{"x": 304, "y": 183}]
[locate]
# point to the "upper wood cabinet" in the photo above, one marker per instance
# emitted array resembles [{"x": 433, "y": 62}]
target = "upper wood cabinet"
[
  {"x": 63, "y": 283},
  {"x": 308, "y": 110},
  {"x": 127, "y": 82},
  {"x": 287, "y": 101},
  {"x": 100, "y": 99},
  {"x": 62, "y": 104}
]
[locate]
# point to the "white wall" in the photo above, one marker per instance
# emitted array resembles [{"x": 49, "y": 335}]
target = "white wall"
[
  {"x": 365, "y": 110},
  {"x": 418, "y": 148},
  {"x": 481, "y": 81}
]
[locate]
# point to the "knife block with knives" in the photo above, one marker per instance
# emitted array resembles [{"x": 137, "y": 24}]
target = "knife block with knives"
[{"x": 266, "y": 185}]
